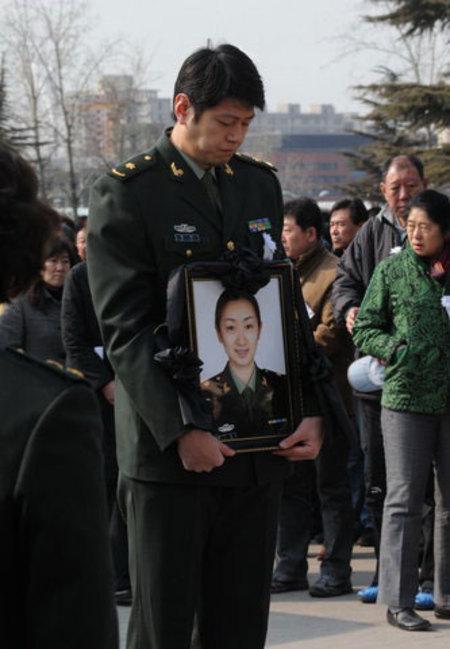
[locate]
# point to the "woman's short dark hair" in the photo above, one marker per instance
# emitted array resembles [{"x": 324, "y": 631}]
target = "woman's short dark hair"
[
  {"x": 436, "y": 205},
  {"x": 231, "y": 295},
  {"x": 357, "y": 209},
  {"x": 26, "y": 224},
  {"x": 60, "y": 246},
  {"x": 209, "y": 76},
  {"x": 306, "y": 213}
]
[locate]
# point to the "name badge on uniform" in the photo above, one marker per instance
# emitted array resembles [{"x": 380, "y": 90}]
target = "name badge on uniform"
[
  {"x": 186, "y": 238},
  {"x": 259, "y": 225}
]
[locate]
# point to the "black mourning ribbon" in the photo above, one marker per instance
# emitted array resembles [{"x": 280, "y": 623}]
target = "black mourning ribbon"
[
  {"x": 184, "y": 367},
  {"x": 240, "y": 269}
]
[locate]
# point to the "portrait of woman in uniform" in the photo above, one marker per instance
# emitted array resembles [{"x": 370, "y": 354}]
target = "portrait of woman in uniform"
[
  {"x": 247, "y": 376},
  {"x": 245, "y": 399}
]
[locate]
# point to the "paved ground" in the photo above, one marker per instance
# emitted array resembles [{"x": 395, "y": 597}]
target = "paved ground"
[{"x": 298, "y": 620}]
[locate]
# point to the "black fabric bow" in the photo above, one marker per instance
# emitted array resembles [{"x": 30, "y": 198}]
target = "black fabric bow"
[
  {"x": 246, "y": 271},
  {"x": 184, "y": 367},
  {"x": 238, "y": 269}
]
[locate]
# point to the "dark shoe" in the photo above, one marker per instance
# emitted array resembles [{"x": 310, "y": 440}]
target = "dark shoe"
[
  {"x": 367, "y": 538},
  {"x": 287, "y": 586},
  {"x": 441, "y": 612},
  {"x": 123, "y": 597},
  {"x": 408, "y": 620},
  {"x": 324, "y": 587}
]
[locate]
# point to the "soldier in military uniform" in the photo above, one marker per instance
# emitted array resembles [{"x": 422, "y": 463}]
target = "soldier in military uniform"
[
  {"x": 201, "y": 520},
  {"x": 246, "y": 400},
  {"x": 55, "y": 564},
  {"x": 263, "y": 411}
]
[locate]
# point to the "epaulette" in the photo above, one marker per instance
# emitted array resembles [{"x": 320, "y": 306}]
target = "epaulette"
[
  {"x": 263, "y": 164},
  {"x": 50, "y": 365},
  {"x": 134, "y": 166},
  {"x": 70, "y": 371}
]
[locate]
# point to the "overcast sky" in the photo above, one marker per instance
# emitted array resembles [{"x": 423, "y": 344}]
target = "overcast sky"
[{"x": 296, "y": 44}]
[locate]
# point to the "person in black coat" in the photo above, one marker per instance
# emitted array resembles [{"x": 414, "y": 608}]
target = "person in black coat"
[
  {"x": 55, "y": 564},
  {"x": 84, "y": 348}
]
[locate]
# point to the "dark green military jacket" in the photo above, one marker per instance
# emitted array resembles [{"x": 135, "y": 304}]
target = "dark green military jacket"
[
  {"x": 55, "y": 563},
  {"x": 264, "y": 411},
  {"x": 147, "y": 217}
]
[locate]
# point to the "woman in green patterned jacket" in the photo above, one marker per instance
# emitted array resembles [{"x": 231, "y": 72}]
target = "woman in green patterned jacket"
[{"x": 405, "y": 322}]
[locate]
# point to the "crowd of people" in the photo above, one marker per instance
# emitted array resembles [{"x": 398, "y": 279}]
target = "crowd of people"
[{"x": 374, "y": 283}]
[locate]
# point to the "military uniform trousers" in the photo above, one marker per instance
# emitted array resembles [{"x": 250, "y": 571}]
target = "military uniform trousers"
[{"x": 204, "y": 551}]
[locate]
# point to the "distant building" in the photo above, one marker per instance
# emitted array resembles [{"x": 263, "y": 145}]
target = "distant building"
[
  {"x": 307, "y": 148},
  {"x": 310, "y": 164},
  {"x": 289, "y": 120},
  {"x": 115, "y": 120}
]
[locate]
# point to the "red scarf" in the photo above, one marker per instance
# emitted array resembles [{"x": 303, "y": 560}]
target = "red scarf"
[{"x": 440, "y": 266}]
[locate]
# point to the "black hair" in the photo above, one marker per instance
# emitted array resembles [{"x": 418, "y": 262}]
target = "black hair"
[
  {"x": 403, "y": 161},
  {"x": 232, "y": 295},
  {"x": 26, "y": 224},
  {"x": 209, "y": 76},
  {"x": 357, "y": 209},
  {"x": 436, "y": 206},
  {"x": 306, "y": 212},
  {"x": 60, "y": 245},
  {"x": 18, "y": 179}
]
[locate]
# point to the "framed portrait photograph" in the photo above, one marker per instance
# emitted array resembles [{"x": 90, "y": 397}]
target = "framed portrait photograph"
[{"x": 251, "y": 362}]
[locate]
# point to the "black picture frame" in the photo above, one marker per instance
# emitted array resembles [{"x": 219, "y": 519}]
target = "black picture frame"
[{"x": 275, "y": 408}]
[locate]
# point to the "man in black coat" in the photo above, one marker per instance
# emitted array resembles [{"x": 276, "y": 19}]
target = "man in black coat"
[
  {"x": 55, "y": 563},
  {"x": 201, "y": 520}
]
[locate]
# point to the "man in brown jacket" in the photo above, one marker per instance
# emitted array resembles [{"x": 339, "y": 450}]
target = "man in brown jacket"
[{"x": 317, "y": 268}]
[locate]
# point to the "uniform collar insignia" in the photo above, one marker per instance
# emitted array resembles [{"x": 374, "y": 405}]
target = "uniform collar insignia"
[
  {"x": 177, "y": 172},
  {"x": 118, "y": 173},
  {"x": 228, "y": 170}
]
